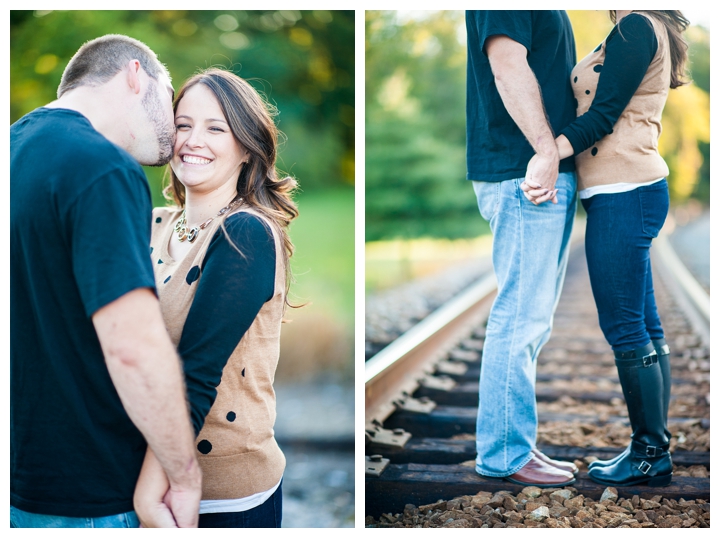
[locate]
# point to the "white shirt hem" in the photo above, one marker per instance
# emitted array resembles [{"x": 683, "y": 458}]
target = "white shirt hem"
[
  {"x": 613, "y": 188},
  {"x": 237, "y": 505}
]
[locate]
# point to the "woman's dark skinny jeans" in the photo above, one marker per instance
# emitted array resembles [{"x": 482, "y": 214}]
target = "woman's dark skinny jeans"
[{"x": 620, "y": 229}]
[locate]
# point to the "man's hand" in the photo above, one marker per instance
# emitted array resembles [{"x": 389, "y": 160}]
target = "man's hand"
[
  {"x": 519, "y": 90},
  {"x": 160, "y": 504},
  {"x": 534, "y": 189}
]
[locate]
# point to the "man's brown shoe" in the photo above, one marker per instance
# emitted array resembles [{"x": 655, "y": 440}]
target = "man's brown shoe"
[
  {"x": 568, "y": 466},
  {"x": 540, "y": 474}
]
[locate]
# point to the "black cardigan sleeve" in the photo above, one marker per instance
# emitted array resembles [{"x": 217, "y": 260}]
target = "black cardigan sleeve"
[
  {"x": 629, "y": 49},
  {"x": 232, "y": 288}
]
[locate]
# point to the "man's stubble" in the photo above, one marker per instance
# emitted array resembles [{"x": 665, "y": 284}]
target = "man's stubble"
[{"x": 164, "y": 130}]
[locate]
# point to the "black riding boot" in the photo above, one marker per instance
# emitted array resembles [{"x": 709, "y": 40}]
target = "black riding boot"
[
  {"x": 648, "y": 459},
  {"x": 663, "y": 354}
]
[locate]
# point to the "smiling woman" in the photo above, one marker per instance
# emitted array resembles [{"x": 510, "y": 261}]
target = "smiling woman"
[{"x": 221, "y": 270}]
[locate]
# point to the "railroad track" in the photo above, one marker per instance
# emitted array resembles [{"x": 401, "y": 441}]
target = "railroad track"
[{"x": 421, "y": 401}]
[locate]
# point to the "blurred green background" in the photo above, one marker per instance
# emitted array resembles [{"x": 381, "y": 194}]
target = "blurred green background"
[
  {"x": 415, "y": 72},
  {"x": 304, "y": 63}
]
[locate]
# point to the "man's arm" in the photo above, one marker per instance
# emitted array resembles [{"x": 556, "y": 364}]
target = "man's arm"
[
  {"x": 520, "y": 92},
  {"x": 147, "y": 375}
]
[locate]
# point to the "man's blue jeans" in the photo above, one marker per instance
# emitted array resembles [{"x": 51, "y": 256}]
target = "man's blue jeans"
[
  {"x": 22, "y": 519},
  {"x": 530, "y": 251},
  {"x": 620, "y": 230}
]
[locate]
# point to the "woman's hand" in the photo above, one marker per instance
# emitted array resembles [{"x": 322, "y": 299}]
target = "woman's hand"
[
  {"x": 533, "y": 190},
  {"x": 150, "y": 493}
]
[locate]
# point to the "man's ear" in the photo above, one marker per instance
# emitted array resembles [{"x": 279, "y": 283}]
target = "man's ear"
[{"x": 133, "y": 75}]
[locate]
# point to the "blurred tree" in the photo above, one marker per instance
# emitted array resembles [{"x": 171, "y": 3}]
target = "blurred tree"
[
  {"x": 415, "y": 121},
  {"x": 303, "y": 61},
  {"x": 699, "y": 38},
  {"x": 415, "y": 128},
  {"x": 589, "y": 29},
  {"x": 680, "y": 144}
]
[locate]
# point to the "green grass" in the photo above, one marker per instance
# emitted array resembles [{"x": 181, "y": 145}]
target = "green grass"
[
  {"x": 392, "y": 263},
  {"x": 324, "y": 261}
]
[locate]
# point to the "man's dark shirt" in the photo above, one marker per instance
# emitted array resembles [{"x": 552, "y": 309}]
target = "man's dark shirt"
[
  {"x": 80, "y": 215},
  {"x": 496, "y": 148}
]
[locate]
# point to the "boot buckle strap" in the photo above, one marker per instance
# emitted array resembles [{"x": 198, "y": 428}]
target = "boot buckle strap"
[
  {"x": 631, "y": 359},
  {"x": 653, "y": 451},
  {"x": 649, "y": 360},
  {"x": 644, "y": 467}
]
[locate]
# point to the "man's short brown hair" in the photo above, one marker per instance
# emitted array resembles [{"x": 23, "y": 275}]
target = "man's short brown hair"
[{"x": 99, "y": 60}]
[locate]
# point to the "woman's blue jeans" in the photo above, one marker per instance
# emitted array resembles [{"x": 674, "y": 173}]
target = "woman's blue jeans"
[
  {"x": 530, "y": 251},
  {"x": 620, "y": 230}
]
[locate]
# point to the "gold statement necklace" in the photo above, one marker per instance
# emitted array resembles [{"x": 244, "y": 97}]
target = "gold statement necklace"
[{"x": 181, "y": 228}]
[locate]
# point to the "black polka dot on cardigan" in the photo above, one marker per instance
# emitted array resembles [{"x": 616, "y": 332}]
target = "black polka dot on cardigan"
[
  {"x": 243, "y": 372},
  {"x": 231, "y": 416},
  {"x": 597, "y": 68},
  {"x": 575, "y": 79},
  {"x": 204, "y": 446},
  {"x": 193, "y": 275},
  {"x": 167, "y": 279},
  {"x": 587, "y": 92},
  {"x": 594, "y": 151},
  {"x": 159, "y": 261},
  {"x": 158, "y": 220}
]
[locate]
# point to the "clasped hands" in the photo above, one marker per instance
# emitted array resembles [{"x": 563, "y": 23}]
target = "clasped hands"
[
  {"x": 540, "y": 178},
  {"x": 159, "y": 504}
]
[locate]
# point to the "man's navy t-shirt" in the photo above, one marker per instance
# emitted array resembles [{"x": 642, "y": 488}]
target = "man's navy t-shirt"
[
  {"x": 80, "y": 217},
  {"x": 496, "y": 148}
]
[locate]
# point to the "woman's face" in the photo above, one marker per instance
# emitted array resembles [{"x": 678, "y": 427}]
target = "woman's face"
[{"x": 207, "y": 156}]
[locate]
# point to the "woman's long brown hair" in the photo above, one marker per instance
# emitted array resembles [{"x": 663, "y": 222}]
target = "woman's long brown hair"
[
  {"x": 676, "y": 24},
  {"x": 250, "y": 119}
]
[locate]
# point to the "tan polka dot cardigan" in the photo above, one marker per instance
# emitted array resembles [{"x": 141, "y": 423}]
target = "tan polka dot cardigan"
[
  {"x": 237, "y": 450},
  {"x": 629, "y": 153}
]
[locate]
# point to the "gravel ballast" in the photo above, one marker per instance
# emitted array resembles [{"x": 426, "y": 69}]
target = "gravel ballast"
[{"x": 550, "y": 508}]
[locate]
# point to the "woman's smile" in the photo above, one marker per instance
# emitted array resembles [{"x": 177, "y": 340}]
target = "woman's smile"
[{"x": 194, "y": 159}]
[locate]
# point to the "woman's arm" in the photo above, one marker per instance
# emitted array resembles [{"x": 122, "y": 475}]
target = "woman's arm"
[
  {"x": 564, "y": 147},
  {"x": 152, "y": 485}
]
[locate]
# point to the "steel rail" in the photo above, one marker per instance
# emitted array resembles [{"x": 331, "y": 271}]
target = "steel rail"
[
  {"x": 693, "y": 298},
  {"x": 395, "y": 368}
]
